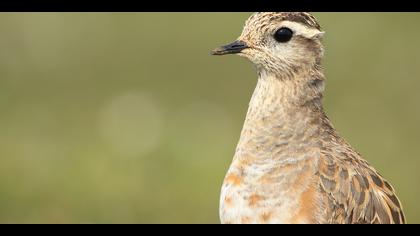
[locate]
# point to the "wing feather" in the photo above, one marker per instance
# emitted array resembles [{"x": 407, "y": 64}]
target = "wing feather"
[{"x": 356, "y": 193}]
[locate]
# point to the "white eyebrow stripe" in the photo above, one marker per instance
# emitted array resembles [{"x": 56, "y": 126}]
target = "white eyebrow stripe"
[{"x": 300, "y": 29}]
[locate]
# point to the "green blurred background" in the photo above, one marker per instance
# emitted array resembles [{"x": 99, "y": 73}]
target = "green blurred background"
[{"x": 126, "y": 118}]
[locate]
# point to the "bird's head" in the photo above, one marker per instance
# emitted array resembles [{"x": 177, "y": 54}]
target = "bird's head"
[{"x": 280, "y": 43}]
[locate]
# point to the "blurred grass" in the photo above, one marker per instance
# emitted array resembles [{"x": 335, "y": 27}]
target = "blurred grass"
[{"x": 125, "y": 118}]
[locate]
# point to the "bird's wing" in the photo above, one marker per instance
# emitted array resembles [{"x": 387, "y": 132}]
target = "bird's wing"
[{"x": 356, "y": 193}]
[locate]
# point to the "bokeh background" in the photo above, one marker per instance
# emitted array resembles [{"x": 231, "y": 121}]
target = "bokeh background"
[{"x": 126, "y": 118}]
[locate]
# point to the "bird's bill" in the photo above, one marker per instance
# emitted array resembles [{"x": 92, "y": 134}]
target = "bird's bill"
[{"x": 231, "y": 48}]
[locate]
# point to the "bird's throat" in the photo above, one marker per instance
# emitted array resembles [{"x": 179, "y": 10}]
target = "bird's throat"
[{"x": 282, "y": 115}]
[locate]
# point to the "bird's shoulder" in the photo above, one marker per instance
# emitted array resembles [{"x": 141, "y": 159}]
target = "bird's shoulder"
[{"x": 354, "y": 192}]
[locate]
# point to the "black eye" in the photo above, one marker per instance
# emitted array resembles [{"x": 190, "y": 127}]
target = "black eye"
[{"x": 283, "y": 35}]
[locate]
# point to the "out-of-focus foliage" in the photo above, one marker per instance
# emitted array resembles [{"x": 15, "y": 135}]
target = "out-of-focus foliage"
[{"x": 126, "y": 118}]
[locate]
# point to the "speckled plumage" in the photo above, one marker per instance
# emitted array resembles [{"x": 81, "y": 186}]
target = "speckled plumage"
[{"x": 290, "y": 165}]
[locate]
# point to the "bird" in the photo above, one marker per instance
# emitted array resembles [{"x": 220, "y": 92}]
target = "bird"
[{"x": 290, "y": 165}]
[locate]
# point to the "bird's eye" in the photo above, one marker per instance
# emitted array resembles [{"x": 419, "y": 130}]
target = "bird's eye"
[{"x": 283, "y": 35}]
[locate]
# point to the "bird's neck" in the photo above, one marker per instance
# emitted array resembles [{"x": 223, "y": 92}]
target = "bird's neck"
[{"x": 283, "y": 116}]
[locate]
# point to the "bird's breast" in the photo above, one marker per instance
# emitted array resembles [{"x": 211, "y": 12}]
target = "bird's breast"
[{"x": 269, "y": 192}]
